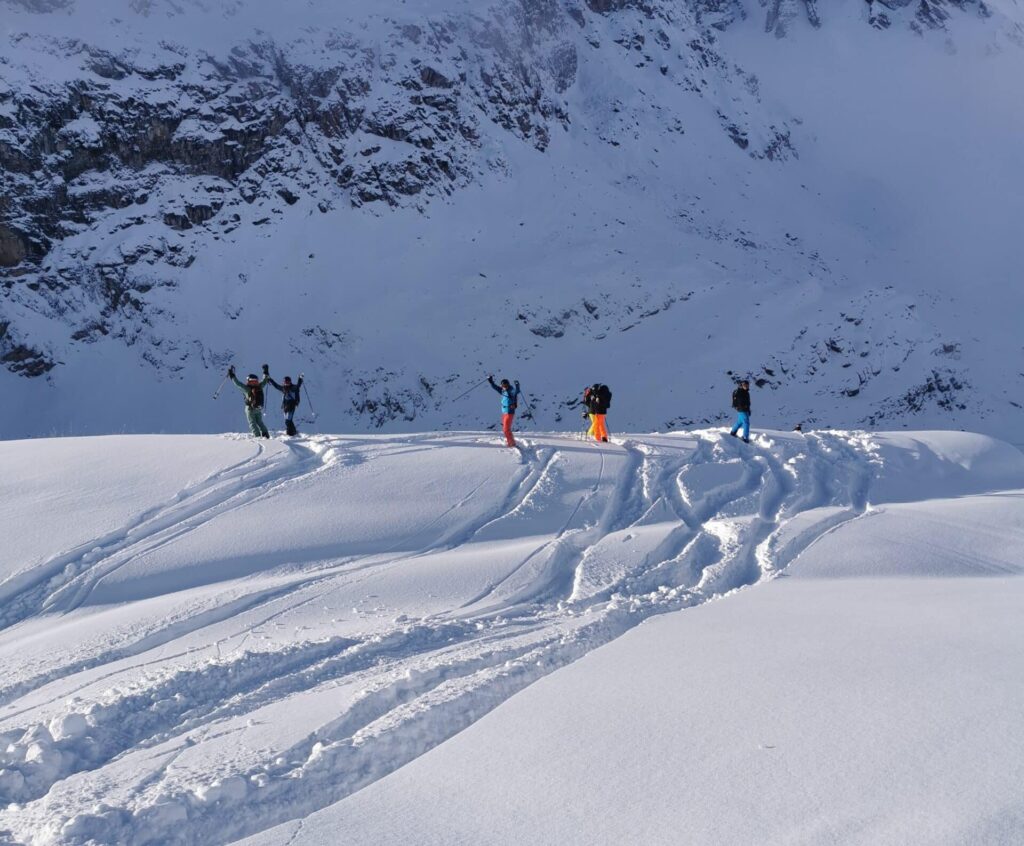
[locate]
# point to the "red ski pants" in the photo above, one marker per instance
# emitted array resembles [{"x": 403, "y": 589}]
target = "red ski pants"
[{"x": 506, "y": 427}]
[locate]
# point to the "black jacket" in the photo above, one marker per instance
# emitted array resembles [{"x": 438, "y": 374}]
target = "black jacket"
[
  {"x": 290, "y": 400},
  {"x": 741, "y": 400},
  {"x": 597, "y": 399}
]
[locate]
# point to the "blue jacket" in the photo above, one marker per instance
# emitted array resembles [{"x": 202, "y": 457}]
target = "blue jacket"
[
  {"x": 290, "y": 394},
  {"x": 509, "y": 396}
]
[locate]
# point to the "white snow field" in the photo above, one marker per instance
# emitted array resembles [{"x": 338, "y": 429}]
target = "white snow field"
[{"x": 427, "y": 639}]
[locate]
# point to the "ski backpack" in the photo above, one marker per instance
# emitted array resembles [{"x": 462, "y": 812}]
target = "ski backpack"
[
  {"x": 598, "y": 394},
  {"x": 254, "y": 399},
  {"x": 291, "y": 395}
]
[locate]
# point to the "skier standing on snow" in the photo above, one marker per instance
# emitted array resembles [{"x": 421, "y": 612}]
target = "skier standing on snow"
[
  {"x": 741, "y": 402},
  {"x": 597, "y": 398},
  {"x": 509, "y": 401},
  {"x": 291, "y": 395},
  {"x": 253, "y": 390}
]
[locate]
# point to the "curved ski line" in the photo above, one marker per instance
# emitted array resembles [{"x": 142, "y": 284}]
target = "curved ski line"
[
  {"x": 16, "y": 586},
  {"x": 215, "y": 615},
  {"x": 86, "y": 582}
]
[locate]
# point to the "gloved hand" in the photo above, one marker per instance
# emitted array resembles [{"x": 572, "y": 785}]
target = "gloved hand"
[
  {"x": 517, "y": 384},
  {"x": 266, "y": 369},
  {"x": 231, "y": 370},
  {"x": 586, "y": 415}
]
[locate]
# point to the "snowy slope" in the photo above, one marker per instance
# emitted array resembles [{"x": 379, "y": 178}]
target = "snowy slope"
[
  {"x": 876, "y": 710},
  {"x": 397, "y": 197},
  {"x": 271, "y": 634},
  {"x": 800, "y": 714}
]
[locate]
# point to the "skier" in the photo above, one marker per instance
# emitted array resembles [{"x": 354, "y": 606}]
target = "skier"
[
  {"x": 253, "y": 390},
  {"x": 597, "y": 398},
  {"x": 741, "y": 402},
  {"x": 289, "y": 401},
  {"x": 509, "y": 401}
]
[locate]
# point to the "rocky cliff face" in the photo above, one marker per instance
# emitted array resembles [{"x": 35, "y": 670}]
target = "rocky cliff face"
[
  {"x": 121, "y": 166},
  {"x": 180, "y": 139},
  {"x": 919, "y": 15}
]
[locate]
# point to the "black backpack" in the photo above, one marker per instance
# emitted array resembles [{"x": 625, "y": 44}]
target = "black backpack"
[
  {"x": 291, "y": 394},
  {"x": 255, "y": 396},
  {"x": 597, "y": 396}
]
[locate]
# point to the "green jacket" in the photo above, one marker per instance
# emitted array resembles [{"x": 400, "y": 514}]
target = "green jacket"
[{"x": 244, "y": 388}]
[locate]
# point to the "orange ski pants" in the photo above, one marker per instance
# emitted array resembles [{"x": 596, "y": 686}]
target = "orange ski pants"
[
  {"x": 506, "y": 427},
  {"x": 597, "y": 428}
]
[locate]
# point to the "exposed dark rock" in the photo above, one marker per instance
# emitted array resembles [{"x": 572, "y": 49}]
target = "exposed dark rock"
[
  {"x": 738, "y": 136},
  {"x": 20, "y": 358},
  {"x": 13, "y": 249}
]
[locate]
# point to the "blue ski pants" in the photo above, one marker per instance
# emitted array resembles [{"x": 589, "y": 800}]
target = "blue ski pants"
[
  {"x": 742, "y": 422},
  {"x": 289, "y": 420}
]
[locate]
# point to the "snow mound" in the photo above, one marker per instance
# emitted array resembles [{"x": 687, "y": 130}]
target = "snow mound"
[{"x": 926, "y": 465}]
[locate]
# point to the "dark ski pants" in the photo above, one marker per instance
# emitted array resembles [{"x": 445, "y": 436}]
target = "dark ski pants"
[
  {"x": 289, "y": 421},
  {"x": 742, "y": 422},
  {"x": 256, "y": 424}
]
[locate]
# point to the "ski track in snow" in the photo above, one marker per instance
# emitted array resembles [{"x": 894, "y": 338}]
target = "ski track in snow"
[
  {"x": 74, "y": 574},
  {"x": 649, "y": 535},
  {"x": 64, "y": 581}
]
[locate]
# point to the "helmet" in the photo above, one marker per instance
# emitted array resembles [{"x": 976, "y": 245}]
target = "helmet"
[
  {"x": 252, "y": 377},
  {"x": 287, "y": 380}
]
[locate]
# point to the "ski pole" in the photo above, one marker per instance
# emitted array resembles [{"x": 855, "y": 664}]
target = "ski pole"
[
  {"x": 309, "y": 402},
  {"x": 464, "y": 393},
  {"x": 220, "y": 387},
  {"x": 529, "y": 409}
]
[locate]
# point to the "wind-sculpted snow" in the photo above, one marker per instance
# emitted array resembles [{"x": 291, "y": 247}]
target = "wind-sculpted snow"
[{"x": 299, "y": 625}]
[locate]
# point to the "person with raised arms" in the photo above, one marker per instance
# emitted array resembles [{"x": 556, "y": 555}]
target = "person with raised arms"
[{"x": 509, "y": 402}]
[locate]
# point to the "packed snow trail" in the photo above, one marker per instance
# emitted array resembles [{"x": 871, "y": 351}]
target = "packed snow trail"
[{"x": 391, "y": 591}]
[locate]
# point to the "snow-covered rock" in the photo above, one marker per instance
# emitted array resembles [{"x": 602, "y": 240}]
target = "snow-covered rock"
[{"x": 662, "y": 192}]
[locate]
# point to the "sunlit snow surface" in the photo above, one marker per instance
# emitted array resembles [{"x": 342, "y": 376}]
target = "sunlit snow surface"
[{"x": 210, "y": 638}]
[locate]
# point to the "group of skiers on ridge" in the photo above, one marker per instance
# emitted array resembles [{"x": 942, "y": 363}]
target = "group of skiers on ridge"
[
  {"x": 597, "y": 399},
  {"x": 252, "y": 388}
]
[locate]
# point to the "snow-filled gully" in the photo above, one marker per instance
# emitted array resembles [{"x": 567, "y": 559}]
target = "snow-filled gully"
[{"x": 603, "y": 536}]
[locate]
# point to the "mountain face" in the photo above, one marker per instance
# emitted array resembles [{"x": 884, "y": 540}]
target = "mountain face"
[{"x": 397, "y": 198}]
